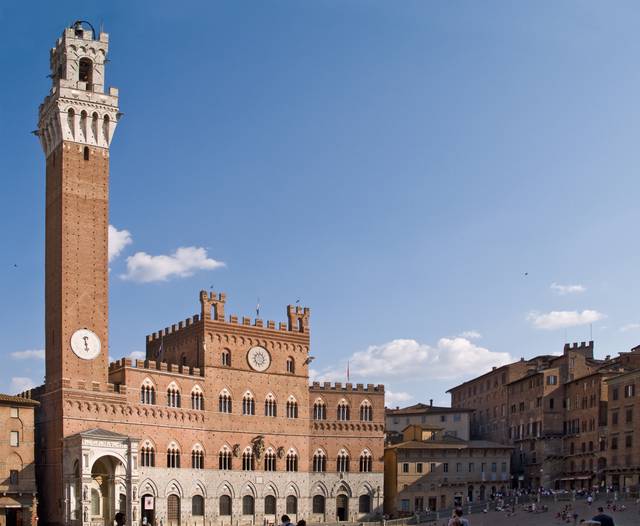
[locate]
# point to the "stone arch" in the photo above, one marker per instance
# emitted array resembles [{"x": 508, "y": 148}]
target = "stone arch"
[
  {"x": 341, "y": 487},
  {"x": 249, "y": 489},
  {"x": 292, "y": 489},
  {"x": 174, "y": 488},
  {"x": 364, "y": 488},
  {"x": 319, "y": 488},
  {"x": 226, "y": 488},
  {"x": 199, "y": 488},
  {"x": 149, "y": 486},
  {"x": 270, "y": 488}
]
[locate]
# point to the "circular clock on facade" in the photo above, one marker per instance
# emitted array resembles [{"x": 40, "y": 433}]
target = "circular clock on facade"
[
  {"x": 85, "y": 344},
  {"x": 259, "y": 358}
]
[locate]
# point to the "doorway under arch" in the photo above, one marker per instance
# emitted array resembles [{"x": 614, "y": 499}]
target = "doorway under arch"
[
  {"x": 108, "y": 475},
  {"x": 342, "y": 507}
]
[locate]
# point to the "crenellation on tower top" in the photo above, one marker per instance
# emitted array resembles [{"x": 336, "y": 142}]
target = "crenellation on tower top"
[{"x": 77, "y": 108}]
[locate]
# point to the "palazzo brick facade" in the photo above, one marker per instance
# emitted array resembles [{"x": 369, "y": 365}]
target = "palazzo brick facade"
[{"x": 219, "y": 424}]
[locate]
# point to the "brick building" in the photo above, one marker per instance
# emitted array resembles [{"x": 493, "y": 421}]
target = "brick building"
[
  {"x": 429, "y": 470},
  {"x": 554, "y": 414},
  {"x": 218, "y": 425},
  {"x": 17, "y": 468},
  {"x": 452, "y": 421}
]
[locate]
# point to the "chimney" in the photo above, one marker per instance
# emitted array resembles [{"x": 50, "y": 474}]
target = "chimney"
[{"x": 431, "y": 402}]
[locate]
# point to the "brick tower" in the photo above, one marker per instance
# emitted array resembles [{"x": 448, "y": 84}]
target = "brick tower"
[{"x": 76, "y": 124}]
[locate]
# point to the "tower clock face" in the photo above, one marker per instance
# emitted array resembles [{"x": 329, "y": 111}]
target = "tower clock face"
[
  {"x": 259, "y": 359},
  {"x": 85, "y": 344}
]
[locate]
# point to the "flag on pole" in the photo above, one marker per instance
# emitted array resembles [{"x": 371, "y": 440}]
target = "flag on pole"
[
  {"x": 160, "y": 349},
  {"x": 258, "y": 309},
  {"x": 347, "y": 370}
]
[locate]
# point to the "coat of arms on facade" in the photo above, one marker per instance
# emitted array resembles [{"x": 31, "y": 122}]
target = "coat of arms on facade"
[
  {"x": 280, "y": 452},
  {"x": 258, "y": 446},
  {"x": 236, "y": 450}
]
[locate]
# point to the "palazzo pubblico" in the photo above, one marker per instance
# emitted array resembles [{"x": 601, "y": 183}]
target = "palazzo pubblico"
[{"x": 219, "y": 424}]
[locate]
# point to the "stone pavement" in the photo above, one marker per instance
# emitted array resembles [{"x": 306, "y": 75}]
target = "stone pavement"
[{"x": 630, "y": 517}]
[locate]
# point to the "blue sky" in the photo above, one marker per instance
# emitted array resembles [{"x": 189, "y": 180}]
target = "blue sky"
[{"x": 398, "y": 166}]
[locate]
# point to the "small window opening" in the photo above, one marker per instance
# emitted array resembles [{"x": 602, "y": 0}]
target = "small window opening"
[
  {"x": 86, "y": 153},
  {"x": 85, "y": 72}
]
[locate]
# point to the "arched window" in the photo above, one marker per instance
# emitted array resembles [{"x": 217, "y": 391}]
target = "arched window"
[
  {"x": 248, "y": 404},
  {"x": 197, "y": 506},
  {"x": 366, "y": 411},
  {"x": 147, "y": 392},
  {"x": 224, "y": 458},
  {"x": 269, "y": 505},
  {"x": 173, "y": 509},
  {"x": 85, "y": 72},
  {"x": 292, "y": 408},
  {"x": 270, "y": 407},
  {"x": 71, "y": 121},
  {"x": 318, "y": 504},
  {"x": 292, "y": 460},
  {"x": 319, "y": 410},
  {"x": 173, "y": 395},
  {"x": 343, "y": 410},
  {"x": 197, "y": 398},
  {"x": 248, "y": 505},
  {"x": 197, "y": 457},
  {"x": 173, "y": 456},
  {"x": 247, "y": 460},
  {"x": 366, "y": 461},
  {"x": 269, "y": 460},
  {"x": 224, "y": 402},
  {"x": 226, "y": 358},
  {"x": 364, "y": 504},
  {"x": 291, "y": 365},
  {"x": 292, "y": 504},
  {"x": 319, "y": 461},
  {"x": 342, "y": 463},
  {"x": 225, "y": 505},
  {"x": 147, "y": 455}
]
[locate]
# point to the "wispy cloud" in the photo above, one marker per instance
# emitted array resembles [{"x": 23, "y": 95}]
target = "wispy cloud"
[
  {"x": 563, "y": 290},
  {"x": 630, "y": 327},
  {"x": 471, "y": 335},
  {"x": 118, "y": 240},
  {"x": 563, "y": 319},
  {"x": 21, "y": 383},
  {"x": 407, "y": 359},
  {"x": 137, "y": 355},
  {"x": 184, "y": 262},
  {"x": 392, "y": 398},
  {"x": 29, "y": 354}
]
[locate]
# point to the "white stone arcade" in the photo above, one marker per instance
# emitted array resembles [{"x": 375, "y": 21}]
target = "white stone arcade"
[{"x": 100, "y": 478}]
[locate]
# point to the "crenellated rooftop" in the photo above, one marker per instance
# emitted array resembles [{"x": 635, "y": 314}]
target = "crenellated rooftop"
[{"x": 337, "y": 386}]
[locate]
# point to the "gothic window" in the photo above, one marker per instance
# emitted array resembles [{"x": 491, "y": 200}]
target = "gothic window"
[
  {"x": 292, "y": 504},
  {"x": 173, "y": 456},
  {"x": 292, "y": 460},
  {"x": 173, "y": 395},
  {"x": 197, "y": 398},
  {"x": 270, "y": 460},
  {"x": 248, "y": 404},
  {"x": 319, "y": 461},
  {"x": 364, "y": 504},
  {"x": 147, "y": 392},
  {"x": 366, "y": 461},
  {"x": 343, "y": 410},
  {"x": 366, "y": 411},
  {"x": 270, "y": 407},
  {"x": 319, "y": 410},
  {"x": 291, "y": 365},
  {"x": 147, "y": 455},
  {"x": 197, "y": 457},
  {"x": 292, "y": 408},
  {"x": 248, "y": 505},
  {"x": 197, "y": 506},
  {"x": 342, "y": 463},
  {"x": 226, "y": 358},
  {"x": 247, "y": 460},
  {"x": 225, "y": 505},
  {"x": 318, "y": 504},
  {"x": 224, "y": 402},
  {"x": 224, "y": 458},
  {"x": 269, "y": 505}
]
